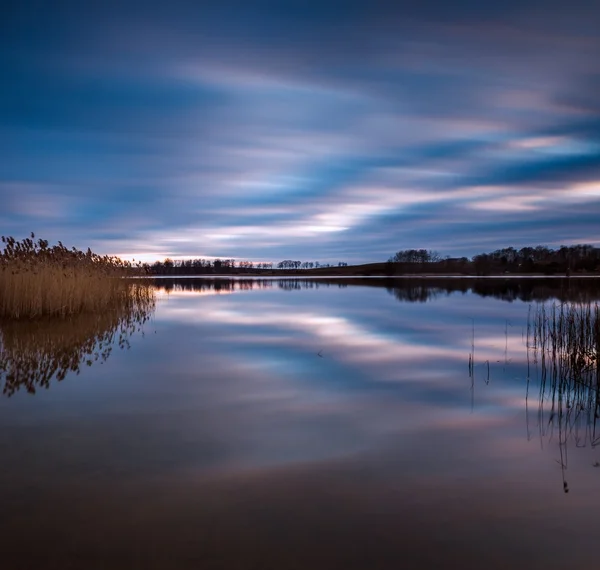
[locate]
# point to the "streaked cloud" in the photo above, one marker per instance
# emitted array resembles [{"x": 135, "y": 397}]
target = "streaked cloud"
[{"x": 242, "y": 129}]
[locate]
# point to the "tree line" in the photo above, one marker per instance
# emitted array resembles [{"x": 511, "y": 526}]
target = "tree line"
[
  {"x": 415, "y": 256},
  {"x": 576, "y": 258},
  {"x": 229, "y": 266},
  {"x": 580, "y": 258}
]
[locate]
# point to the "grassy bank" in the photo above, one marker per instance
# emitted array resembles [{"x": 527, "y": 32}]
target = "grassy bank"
[{"x": 38, "y": 280}]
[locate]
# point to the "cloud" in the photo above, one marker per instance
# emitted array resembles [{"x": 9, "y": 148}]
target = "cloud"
[{"x": 238, "y": 130}]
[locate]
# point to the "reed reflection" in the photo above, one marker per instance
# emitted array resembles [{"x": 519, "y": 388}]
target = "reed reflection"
[
  {"x": 564, "y": 344},
  {"x": 33, "y": 353}
]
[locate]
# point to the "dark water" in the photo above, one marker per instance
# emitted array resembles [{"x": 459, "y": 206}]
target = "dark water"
[{"x": 291, "y": 424}]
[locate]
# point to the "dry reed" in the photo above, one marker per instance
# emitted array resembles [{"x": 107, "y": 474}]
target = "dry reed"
[
  {"x": 565, "y": 341},
  {"x": 32, "y": 353},
  {"x": 38, "y": 280}
]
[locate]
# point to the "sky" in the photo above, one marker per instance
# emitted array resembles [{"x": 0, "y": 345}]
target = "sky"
[{"x": 312, "y": 130}]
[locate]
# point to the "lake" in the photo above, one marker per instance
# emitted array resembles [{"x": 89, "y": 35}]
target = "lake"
[{"x": 283, "y": 423}]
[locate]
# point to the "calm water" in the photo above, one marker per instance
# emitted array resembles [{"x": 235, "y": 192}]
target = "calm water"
[{"x": 289, "y": 424}]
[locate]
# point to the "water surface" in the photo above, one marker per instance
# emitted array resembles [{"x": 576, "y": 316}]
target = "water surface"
[{"x": 294, "y": 424}]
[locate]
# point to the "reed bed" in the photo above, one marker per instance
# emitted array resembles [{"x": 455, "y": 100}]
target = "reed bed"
[
  {"x": 565, "y": 341},
  {"x": 38, "y": 280},
  {"x": 34, "y": 352}
]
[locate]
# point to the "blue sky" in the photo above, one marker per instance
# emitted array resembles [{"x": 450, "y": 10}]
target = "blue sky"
[{"x": 330, "y": 131}]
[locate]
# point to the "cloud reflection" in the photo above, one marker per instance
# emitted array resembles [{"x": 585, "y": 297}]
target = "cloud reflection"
[{"x": 228, "y": 414}]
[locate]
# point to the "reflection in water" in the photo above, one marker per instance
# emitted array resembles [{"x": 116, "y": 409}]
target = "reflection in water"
[
  {"x": 565, "y": 344},
  {"x": 210, "y": 285},
  {"x": 409, "y": 289},
  {"x": 282, "y": 426},
  {"x": 32, "y": 353}
]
